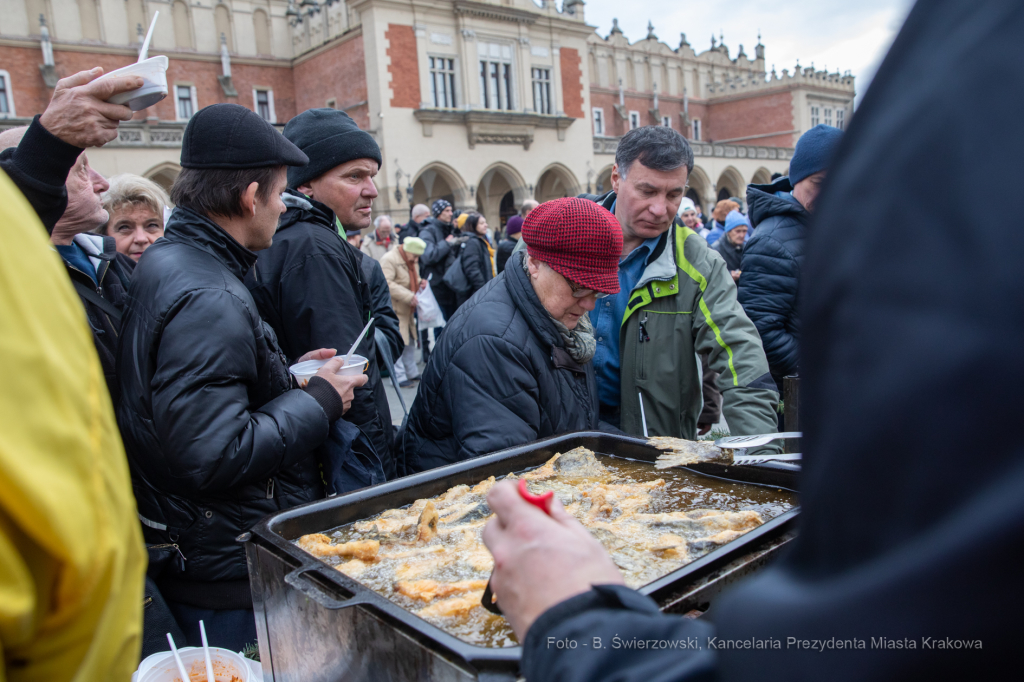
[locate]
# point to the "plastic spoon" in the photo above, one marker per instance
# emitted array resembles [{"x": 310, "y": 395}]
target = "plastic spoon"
[
  {"x": 177, "y": 659},
  {"x": 643, "y": 418},
  {"x": 358, "y": 341},
  {"x": 206, "y": 653},
  {"x": 144, "y": 50},
  {"x": 542, "y": 502}
]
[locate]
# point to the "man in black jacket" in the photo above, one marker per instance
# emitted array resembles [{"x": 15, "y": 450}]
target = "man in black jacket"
[
  {"x": 898, "y": 526},
  {"x": 310, "y": 285},
  {"x": 437, "y": 232},
  {"x": 773, "y": 256},
  {"x": 216, "y": 435}
]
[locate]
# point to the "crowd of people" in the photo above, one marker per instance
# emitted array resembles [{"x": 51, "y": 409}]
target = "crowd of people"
[{"x": 622, "y": 312}]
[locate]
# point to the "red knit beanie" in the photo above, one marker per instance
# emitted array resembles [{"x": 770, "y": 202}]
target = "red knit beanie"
[{"x": 579, "y": 240}]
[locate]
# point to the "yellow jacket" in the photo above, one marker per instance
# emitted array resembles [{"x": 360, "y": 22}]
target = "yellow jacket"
[{"x": 72, "y": 561}]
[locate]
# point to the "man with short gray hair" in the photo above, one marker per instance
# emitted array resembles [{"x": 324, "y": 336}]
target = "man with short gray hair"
[
  {"x": 380, "y": 240},
  {"x": 419, "y": 213},
  {"x": 676, "y": 301}
]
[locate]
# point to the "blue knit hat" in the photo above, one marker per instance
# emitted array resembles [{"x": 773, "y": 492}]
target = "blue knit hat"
[
  {"x": 735, "y": 219},
  {"x": 814, "y": 152}
]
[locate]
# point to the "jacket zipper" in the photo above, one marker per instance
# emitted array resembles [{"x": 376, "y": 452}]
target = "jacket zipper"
[
  {"x": 641, "y": 341},
  {"x": 270, "y": 488}
]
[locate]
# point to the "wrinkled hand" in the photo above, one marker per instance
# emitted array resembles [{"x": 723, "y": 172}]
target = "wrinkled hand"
[
  {"x": 540, "y": 560},
  {"x": 320, "y": 354},
  {"x": 345, "y": 386},
  {"x": 79, "y": 113},
  {"x": 423, "y": 284},
  {"x": 702, "y": 429},
  {"x": 415, "y": 301}
]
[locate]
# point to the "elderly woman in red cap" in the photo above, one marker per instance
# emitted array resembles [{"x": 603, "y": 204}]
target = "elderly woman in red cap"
[{"x": 513, "y": 364}]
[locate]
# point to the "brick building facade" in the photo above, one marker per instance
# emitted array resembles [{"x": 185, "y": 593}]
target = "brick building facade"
[{"x": 485, "y": 102}]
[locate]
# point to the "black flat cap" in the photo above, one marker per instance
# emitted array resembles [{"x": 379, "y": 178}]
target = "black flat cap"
[{"x": 229, "y": 136}]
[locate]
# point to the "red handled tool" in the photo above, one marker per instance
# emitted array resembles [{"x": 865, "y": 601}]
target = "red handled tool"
[{"x": 542, "y": 502}]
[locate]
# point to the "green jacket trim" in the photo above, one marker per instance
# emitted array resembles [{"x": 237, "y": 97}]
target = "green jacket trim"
[{"x": 681, "y": 236}]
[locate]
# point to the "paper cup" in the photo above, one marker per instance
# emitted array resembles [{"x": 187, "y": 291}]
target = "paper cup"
[
  {"x": 227, "y": 665},
  {"x": 154, "y": 86},
  {"x": 304, "y": 371}
]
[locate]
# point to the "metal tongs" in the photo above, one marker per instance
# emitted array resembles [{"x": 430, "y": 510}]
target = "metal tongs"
[
  {"x": 744, "y": 442},
  {"x": 542, "y": 502}
]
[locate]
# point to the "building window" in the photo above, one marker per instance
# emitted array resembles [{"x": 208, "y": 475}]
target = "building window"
[
  {"x": 598, "y": 121},
  {"x": 840, "y": 115},
  {"x": 185, "y": 96},
  {"x": 496, "y": 76},
  {"x": 828, "y": 116},
  {"x": 6, "y": 96},
  {"x": 634, "y": 120},
  {"x": 442, "y": 82},
  {"x": 666, "y": 121},
  {"x": 542, "y": 91},
  {"x": 815, "y": 116},
  {"x": 264, "y": 99},
  {"x": 696, "y": 130}
]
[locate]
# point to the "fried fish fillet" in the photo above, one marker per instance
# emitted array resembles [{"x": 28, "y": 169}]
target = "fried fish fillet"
[
  {"x": 456, "y": 606},
  {"x": 701, "y": 520},
  {"x": 576, "y": 463},
  {"x": 426, "y": 529},
  {"x": 429, "y": 590},
  {"x": 681, "y": 452},
  {"x": 320, "y": 545}
]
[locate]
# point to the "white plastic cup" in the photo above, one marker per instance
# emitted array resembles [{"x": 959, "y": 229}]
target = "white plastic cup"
[
  {"x": 226, "y": 664},
  {"x": 154, "y": 86},
  {"x": 304, "y": 371}
]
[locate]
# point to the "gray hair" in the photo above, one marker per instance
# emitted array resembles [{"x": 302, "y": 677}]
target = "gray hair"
[
  {"x": 128, "y": 189},
  {"x": 420, "y": 209},
  {"x": 656, "y": 147},
  {"x": 378, "y": 219},
  {"x": 528, "y": 206}
]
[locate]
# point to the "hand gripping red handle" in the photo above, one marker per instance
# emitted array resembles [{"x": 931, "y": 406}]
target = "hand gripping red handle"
[{"x": 542, "y": 501}]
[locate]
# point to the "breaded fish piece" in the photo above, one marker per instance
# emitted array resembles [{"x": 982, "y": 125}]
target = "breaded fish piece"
[
  {"x": 702, "y": 520},
  {"x": 429, "y": 590},
  {"x": 426, "y": 528},
  {"x": 320, "y": 545},
  {"x": 681, "y": 452},
  {"x": 353, "y": 568},
  {"x": 456, "y": 606},
  {"x": 576, "y": 463}
]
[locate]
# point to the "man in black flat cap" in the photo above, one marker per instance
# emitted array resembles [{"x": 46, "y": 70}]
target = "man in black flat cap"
[
  {"x": 310, "y": 285},
  {"x": 216, "y": 432}
]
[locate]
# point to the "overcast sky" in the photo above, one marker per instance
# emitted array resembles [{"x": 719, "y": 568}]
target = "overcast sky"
[{"x": 839, "y": 34}]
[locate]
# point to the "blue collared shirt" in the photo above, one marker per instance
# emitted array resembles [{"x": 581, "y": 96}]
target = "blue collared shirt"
[{"x": 607, "y": 319}]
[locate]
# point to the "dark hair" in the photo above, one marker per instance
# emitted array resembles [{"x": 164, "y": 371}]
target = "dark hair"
[
  {"x": 657, "y": 147},
  {"x": 472, "y": 220},
  {"x": 215, "y": 191}
]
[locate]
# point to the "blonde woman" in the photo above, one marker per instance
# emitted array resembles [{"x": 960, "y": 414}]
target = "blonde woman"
[{"x": 136, "y": 207}]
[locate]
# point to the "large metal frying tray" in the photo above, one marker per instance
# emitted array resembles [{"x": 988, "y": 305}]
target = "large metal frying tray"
[{"x": 315, "y": 623}]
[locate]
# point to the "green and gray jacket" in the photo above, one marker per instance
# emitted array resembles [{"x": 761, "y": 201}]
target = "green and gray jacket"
[{"x": 683, "y": 305}]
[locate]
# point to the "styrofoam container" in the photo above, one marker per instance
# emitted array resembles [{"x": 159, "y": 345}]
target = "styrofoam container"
[
  {"x": 304, "y": 371},
  {"x": 154, "y": 86},
  {"x": 227, "y": 665}
]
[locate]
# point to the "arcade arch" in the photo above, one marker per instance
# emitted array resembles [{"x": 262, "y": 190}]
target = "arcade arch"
[
  {"x": 439, "y": 181},
  {"x": 731, "y": 184},
  {"x": 762, "y": 176},
  {"x": 163, "y": 174},
  {"x": 499, "y": 193},
  {"x": 556, "y": 181}
]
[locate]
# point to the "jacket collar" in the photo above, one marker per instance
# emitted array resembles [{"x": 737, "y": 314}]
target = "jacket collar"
[
  {"x": 100, "y": 249},
  {"x": 186, "y": 227},
  {"x": 302, "y": 209},
  {"x": 526, "y": 300},
  {"x": 764, "y": 204}
]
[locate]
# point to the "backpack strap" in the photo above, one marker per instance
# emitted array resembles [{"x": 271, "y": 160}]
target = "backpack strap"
[{"x": 90, "y": 294}]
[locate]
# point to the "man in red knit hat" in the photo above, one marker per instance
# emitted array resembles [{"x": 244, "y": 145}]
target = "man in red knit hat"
[{"x": 514, "y": 363}]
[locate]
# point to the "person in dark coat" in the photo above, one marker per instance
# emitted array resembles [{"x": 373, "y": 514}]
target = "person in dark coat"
[
  {"x": 437, "y": 232},
  {"x": 310, "y": 284},
  {"x": 412, "y": 228},
  {"x": 477, "y": 257},
  {"x": 769, "y": 287},
  {"x": 514, "y": 363},
  {"x": 890, "y": 344},
  {"x": 384, "y": 315},
  {"x": 506, "y": 246},
  {"x": 217, "y": 436},
  {"x": 730, "y": 246}
]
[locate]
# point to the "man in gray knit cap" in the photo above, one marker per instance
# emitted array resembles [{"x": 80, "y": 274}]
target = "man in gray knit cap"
[{"x": 310, "y": 285}]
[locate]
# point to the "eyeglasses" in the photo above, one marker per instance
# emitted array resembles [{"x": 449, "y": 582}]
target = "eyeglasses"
[{"x": 579, "y": 291}]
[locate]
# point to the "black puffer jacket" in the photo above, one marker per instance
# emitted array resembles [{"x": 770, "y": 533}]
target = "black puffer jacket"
[
  {"x": 113, "y": 271},
  {"x": 215, "y": 435},
  {"x": 771, "y": 265},
  {"x": 499, "y": 376},
  {"x": 505, "y": 249},
  {"x": 476, "y": 263},
  {"x": 309, "y": 286},
  {"x": 435, "y": 261}
]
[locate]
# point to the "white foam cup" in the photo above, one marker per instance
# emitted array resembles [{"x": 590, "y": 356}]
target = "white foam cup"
[
  {"x": 226, "y": 665},
  {"x": 304, "y": 371},
  {"x": 154, "y": 85}
]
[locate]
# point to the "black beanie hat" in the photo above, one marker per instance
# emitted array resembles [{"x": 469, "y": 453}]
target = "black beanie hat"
[
  {"x": 230, "y": 136},
  {"x": 330, "y": 138}
]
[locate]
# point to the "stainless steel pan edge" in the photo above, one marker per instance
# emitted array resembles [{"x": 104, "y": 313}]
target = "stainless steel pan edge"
[{"x": 319, "y": 582}]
